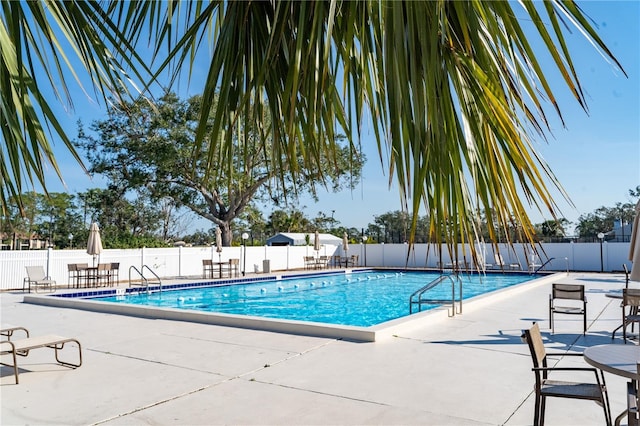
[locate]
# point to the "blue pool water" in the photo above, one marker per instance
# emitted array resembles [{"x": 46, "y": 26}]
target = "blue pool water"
[{"x": 356, "y": 299}]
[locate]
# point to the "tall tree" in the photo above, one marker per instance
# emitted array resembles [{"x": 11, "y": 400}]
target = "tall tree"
[
  {"x": 455, "y": 88},
  {"x": 124, "y": 222},
  {"x": 151, "y": 147}
]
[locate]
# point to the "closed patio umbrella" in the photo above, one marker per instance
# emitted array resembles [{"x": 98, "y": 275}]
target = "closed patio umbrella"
[
  {"x": 316, "y": 243},
  {"x": 219, "y": 243},
  {"x": 634, "y": 249},
  {"x": 94, "y": 244},
  {"x": 345, "y": 244}
]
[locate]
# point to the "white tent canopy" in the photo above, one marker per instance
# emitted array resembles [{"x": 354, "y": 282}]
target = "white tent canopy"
[{"x": 299, "y": 239}]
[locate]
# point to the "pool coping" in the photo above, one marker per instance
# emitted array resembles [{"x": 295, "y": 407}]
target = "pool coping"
[{"x": 353, "y": 333}]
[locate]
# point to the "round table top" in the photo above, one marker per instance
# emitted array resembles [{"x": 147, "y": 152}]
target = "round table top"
[{"x": 621, "y": 360}]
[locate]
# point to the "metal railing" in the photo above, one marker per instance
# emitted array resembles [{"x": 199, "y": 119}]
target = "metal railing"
[
  {"x": 543, "y": 265},
  {"x": 144, "y": 280},
  {"x": 416, "y": 297}
]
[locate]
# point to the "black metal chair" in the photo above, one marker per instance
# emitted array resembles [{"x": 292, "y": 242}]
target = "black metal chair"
[
  {"x": 546, "y": 387},
  {"x": 566, "y": 293}
]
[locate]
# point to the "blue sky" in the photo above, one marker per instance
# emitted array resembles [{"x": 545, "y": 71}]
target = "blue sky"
[{"x": 596, "y": 157}]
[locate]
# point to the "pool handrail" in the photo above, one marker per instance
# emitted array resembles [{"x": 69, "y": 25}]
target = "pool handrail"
[
  {"x": 144, "y": 279},
  {"x": 542, "y": 266},
  {"x": 431, "y": 285}
]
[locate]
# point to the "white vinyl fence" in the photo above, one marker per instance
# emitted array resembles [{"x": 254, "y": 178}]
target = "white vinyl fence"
[{"x": 187, "y": 261}]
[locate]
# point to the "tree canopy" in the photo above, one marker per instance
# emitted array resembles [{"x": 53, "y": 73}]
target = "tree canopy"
[{"x": 151, "y": 148}]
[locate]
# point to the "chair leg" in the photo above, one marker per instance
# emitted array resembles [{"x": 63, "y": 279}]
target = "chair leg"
[{"x": 624, "y": 332}]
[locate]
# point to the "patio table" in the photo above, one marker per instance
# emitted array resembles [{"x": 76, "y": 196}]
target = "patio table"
[{"x": 621, "y": 360}]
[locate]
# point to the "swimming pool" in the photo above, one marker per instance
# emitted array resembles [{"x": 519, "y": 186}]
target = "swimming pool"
[
  {"x": 348, "y": 304},
  {"x": 357, "y": 299}
]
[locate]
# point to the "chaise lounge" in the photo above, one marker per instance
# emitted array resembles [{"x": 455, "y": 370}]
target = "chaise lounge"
[
  {"x": 37, "y": 277},
  {"x": 22, "y": 347}
]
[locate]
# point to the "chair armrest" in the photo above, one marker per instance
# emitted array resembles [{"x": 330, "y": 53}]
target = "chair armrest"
[
  {"x": 592, "y": 369},
  {"x": 563, "y": 354},
  {"x": 595, "y": 370}
]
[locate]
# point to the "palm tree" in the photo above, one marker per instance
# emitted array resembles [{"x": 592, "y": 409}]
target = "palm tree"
[{"x": 452, "y": 87}]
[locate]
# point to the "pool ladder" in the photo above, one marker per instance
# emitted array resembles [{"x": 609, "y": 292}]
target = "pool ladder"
[
  {"x": 145, "y": 281},
  {"x": 417, "y": 296}
]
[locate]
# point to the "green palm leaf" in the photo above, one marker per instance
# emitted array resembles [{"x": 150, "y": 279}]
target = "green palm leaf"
[
  {"x": 46, "y": 43},
  {"x": 454, "y": 89}
]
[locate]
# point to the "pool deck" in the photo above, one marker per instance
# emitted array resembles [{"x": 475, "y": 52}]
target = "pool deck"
[{"x": 471, "y": 369}]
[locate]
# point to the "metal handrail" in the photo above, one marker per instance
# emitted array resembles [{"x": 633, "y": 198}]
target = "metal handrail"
[
  {"x": 144, "y": 279},
  {"x": 420, "y": 301},
  {"x": 543, "y": 265}
]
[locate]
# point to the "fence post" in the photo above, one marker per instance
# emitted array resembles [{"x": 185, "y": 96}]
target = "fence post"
[{"x": 49, "y": 254}]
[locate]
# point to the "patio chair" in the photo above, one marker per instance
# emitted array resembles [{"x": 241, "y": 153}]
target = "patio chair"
[
  {"x": 23, "y": 346},
  {"x": 352, "y": 261},
  {"x": 633, "y": 410},
  {"x": 545, "y": 387},
  {"x": 630, "y": 299},
  {"x": 234, "y": 267},
  {"x": 104, "y": 274},
  {"x": 309, "y": 262},
  {"x": 37, "y": 277},
  {"x": 72, "y": 270},
  {"x": 115, "y": 272},
  {"x": 323, "y": 262},
  {"x": 567, "y": 293},
  {"x": 83, "y": 273},
  {"x": 501, "y": 264},
  {"x": 207, "y": 268}
]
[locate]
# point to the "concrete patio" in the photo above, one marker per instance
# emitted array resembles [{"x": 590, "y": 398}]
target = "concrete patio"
[{"x": 472, "y": 369}]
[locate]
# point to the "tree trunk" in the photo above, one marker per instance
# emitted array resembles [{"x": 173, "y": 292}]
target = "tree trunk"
[{"x": 227, "y": 235}]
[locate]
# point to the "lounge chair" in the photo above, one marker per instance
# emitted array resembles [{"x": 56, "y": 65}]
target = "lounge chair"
[
  {"x": 534, "y": 263},
  {"x": 501, "y": 264},
  {"x": 37, "y": 277},
  {"x": 22, "y": 347},
  {"x": 8, "y": 330}
]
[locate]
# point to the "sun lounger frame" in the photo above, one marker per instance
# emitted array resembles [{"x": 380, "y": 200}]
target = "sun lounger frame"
[
  {"x": 8, "y": 330},
  {"x": 23, "y": 346}
]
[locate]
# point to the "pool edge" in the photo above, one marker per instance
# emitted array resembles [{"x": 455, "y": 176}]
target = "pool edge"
[{"x": 353, "y": 333}]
